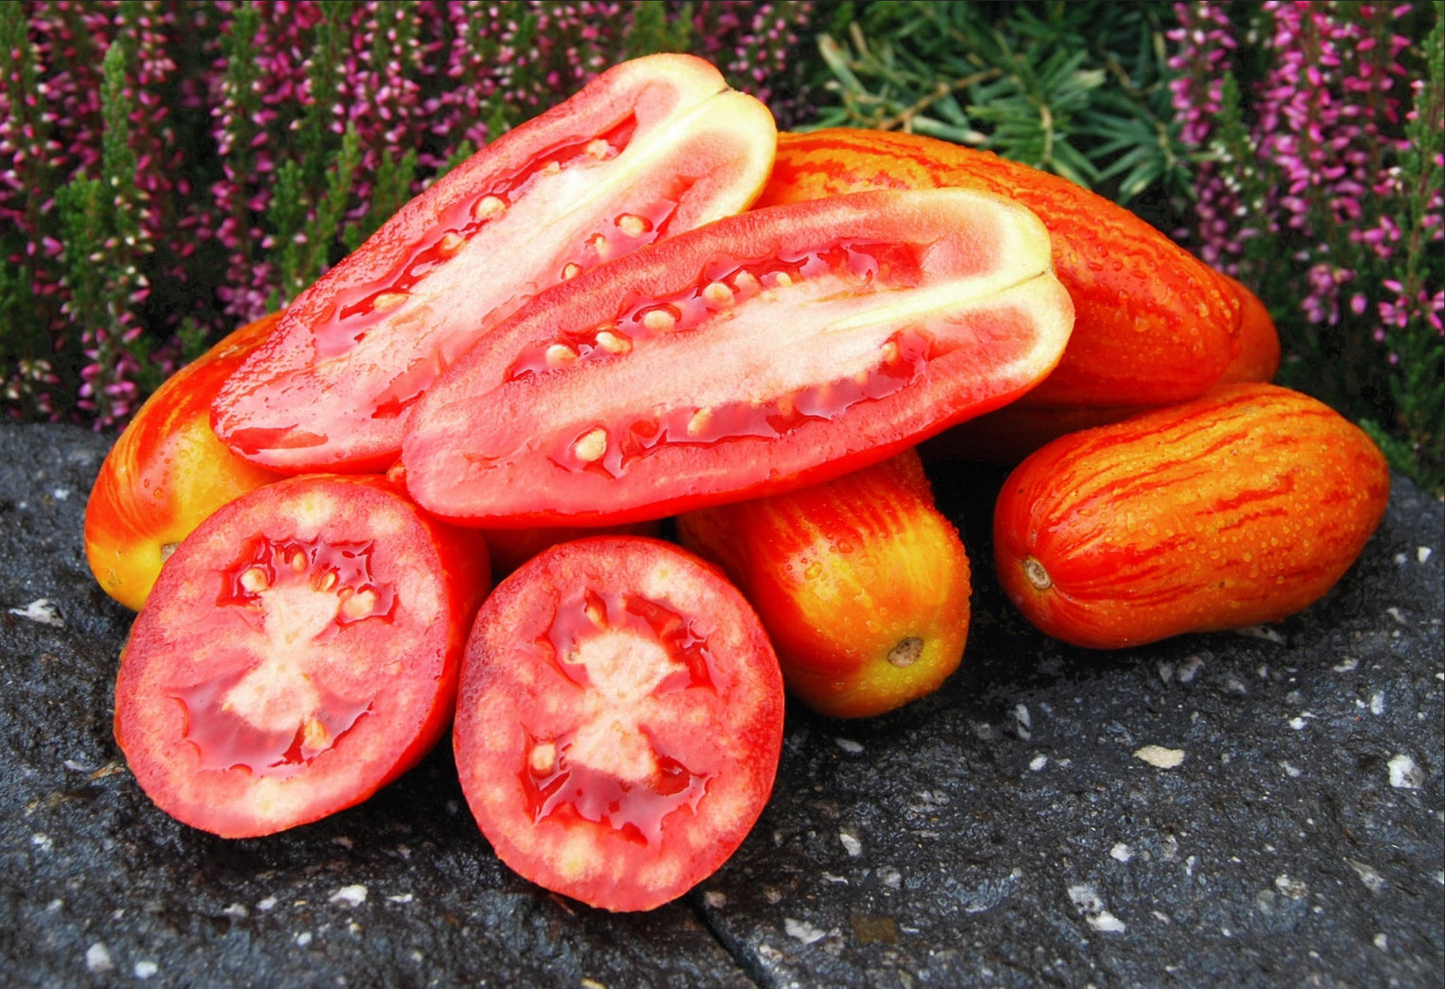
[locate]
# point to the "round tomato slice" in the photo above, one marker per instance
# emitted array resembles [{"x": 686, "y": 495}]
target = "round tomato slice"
[
  {"x": 755, "y": 354},
  {"x": 299, "y": 650},
  {"x": 619, "y": 720},
  {"x": 649, "y": 148}
]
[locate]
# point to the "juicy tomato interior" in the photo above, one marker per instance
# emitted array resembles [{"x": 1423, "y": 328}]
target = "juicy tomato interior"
[
  {"x": 765, "y": 349},
  {"x": 656, "y": 145},
  {"x": 299, "y": 651},
  {"x": 619, "y": 720}
]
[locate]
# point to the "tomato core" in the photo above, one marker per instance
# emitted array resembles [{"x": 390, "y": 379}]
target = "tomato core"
[{"x": 622, "y": 649}]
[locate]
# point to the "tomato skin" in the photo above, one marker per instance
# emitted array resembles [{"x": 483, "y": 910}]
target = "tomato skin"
[
  {"x": 673, "y": 388},
  {"x": 1007, "y": 435},
  {"x": 1154, "y": 325},
  {"x": 167, "y": 472},
  {"x": 648, "y": 148},
  {"x": 299, "y": 651},
  {"x": 619, "y": 721},
  {"x": 1259, "y": 347},
  {"x": 1238, "y": 508},
  {"x": 862, "y": 584}
]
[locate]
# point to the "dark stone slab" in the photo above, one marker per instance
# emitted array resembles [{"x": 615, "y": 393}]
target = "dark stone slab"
[{"x": 1004, "y": 832}]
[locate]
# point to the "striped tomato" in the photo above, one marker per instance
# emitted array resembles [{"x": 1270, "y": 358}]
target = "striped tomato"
[
  {"x": 861, "y": 582},
  {"x": 1238, "y": 508},
  {"x": 1153, "y": 325},
  {"x": 167, "y": 472}
]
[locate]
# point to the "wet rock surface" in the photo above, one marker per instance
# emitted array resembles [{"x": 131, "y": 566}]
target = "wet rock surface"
[{"x": 1230, "y": 809}]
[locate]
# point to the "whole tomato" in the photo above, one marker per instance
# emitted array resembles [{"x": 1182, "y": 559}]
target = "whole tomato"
[
  {"x": 1240, "y": 507},
  {"x": 861, "y": 582},
  {"x": 167, "y": 472}
]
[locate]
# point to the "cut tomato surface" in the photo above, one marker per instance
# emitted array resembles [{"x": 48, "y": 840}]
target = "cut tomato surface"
[
  {"x": 761, "y": 352},
  {"x": 649, "y": 148},
  {"x": 619, "y": 721},
  {"x": 299, "y": 650}
]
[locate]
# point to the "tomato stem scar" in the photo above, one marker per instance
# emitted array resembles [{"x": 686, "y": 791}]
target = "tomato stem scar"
[
  {"x": 907, "y": 652},
  {"x": 1037, "y": 575}
]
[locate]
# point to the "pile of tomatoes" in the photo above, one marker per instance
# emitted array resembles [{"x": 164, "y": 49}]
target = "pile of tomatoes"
[{"x": 636, "y": 307}]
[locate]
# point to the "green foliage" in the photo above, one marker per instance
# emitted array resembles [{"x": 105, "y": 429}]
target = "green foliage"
[{"x": 1079, "y": 89}]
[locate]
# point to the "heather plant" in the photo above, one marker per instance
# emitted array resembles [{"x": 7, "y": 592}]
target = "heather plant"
[
  {"x": 1320, "y": 143},
  {"x": 170, "y": 171}
]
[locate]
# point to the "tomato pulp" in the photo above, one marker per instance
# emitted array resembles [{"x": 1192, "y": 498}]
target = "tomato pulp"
[
  {"x": 649, "y": 148},
  {"x": 299, "y": 650},
  {"x": 619, "y": 720},
  {"x": 758, "y": 353}
]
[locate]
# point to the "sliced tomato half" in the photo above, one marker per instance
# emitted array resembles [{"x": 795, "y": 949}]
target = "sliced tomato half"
[
  {"x": 619, "y": 721},
  {"x": 649, "y": 148},
  {"x": 299, "y": 650},
  {"x": 756, "y": 354}
]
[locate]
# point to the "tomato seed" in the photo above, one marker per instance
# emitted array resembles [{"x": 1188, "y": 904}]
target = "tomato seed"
[
  {"x": 613, "y": 342},
  {"x": 633, "y": 225},
  {"x": 590, "y": 448},
  {"x": 598, "y": 148},
  {"x": 571, "y": 270},
  {"x": 661, "y": 320},
  {"x": 699, "y": 421},
  {"x": 359, "y": 605},
  {"x": 559, "y": 354},
  {"x": 488, "y": 207},
  {"x": 388, "y": 300},
  {"x": 718, "y": 294},
  {"x": 254, "y": 580},
  {"x": 543, "y": 758}
]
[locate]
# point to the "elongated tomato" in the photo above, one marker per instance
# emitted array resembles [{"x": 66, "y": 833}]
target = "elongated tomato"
[
  {"x": 167, "y": 472},
  {"x": 759, "y": 353},
  {"x": 1007, "y": 435},
  {"x": 861, "y": 582},
  {"x": 619, "y": 721},
  {"x": 1240, "y": 507},
  {"x": 299, "y": 650},
  {"x": 1154, "y": 325},
  {"x": 649, "y": 148}
]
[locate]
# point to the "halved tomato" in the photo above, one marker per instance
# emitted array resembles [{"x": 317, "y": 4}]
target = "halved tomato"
[
  {"x": 167, "y": 472},
  {"x": 756, "y": 354},
  {"x": 299, "y": 650},
  {"x": 647, "y": 149},
  {"x": 619, "y": 721}
]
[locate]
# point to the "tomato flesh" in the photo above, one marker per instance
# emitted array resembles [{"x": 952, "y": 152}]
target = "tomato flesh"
[
  {"x": 299, "y": 650},
  {"x": 619, "y": 720},
  {"x": 758, "y": 353},
  {"x": 652, "y": 147}
]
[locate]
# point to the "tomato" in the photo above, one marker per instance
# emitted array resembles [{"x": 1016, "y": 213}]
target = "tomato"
[
  {"x": 861, "y": 582},
  {"x": 299, "y": 650},
  {"x": 1259, "y": 348},
  {"x": 619, "y": 721},
  {"x": 1007, "y": 435},
  {"x": 1154, "y": 325},
  {"x": 647, "y": 149},
  {"x": 1237, "y": 508},
  {"x": 167, "y": 472},
  {"x": 759, "y": 353}
]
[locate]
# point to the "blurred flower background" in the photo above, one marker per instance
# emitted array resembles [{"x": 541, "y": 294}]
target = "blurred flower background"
[{"x": 169, "y": 171}]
